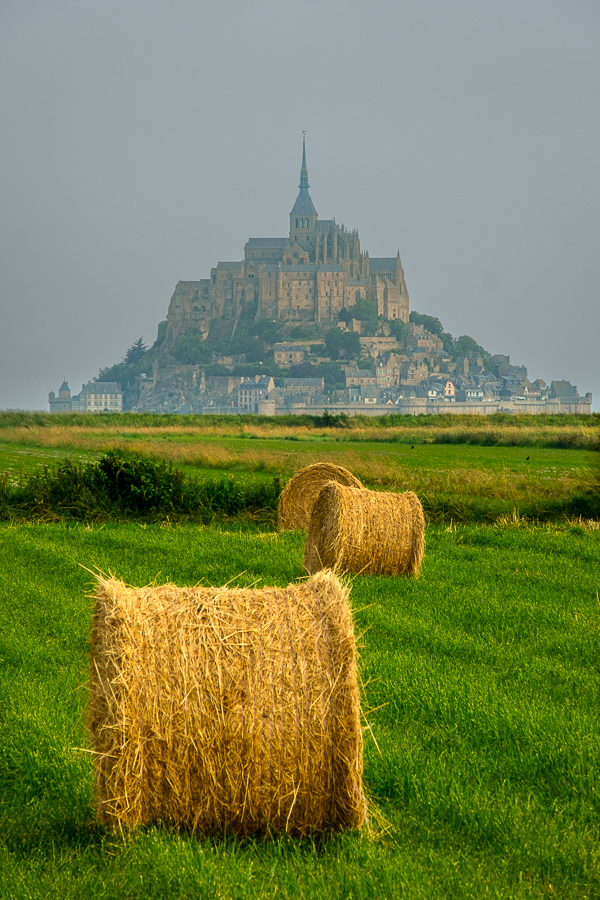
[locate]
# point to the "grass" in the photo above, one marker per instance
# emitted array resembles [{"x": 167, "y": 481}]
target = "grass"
[
  {"x": 88, "y": 432},
  {"x": 458, "y": 482},
  {"x": 482, "y": 677}
]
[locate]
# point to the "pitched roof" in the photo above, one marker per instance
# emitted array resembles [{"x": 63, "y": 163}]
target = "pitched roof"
[
  {"x": 303, "y": 267},
  {"x": 563, "y": 389},
  {"x": 266, "y": 243},
  {"x": 303, "y": 382},
  {"x": 262, "y": 382},
  {"x": 303, "y": 205},
  {"x": 102, "y": 387},
  {"x": 382, "y": 263}
]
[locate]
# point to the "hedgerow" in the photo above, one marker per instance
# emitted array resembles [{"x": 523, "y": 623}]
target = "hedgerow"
[{"x": 124, "y": 484}]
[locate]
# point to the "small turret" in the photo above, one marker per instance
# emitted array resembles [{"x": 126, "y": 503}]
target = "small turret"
[{"x": 64, "y": 391}]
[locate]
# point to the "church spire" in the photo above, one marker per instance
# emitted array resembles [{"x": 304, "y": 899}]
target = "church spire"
[
  {"x": 303, "y": 207},
  {"x": 304, "y": 171}
]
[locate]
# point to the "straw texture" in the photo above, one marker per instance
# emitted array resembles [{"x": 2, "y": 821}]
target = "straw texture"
[
  {"x": 367, "y": 532},
  {"x": 217, "y": 708},
  {"x": 298, "y": 496}
]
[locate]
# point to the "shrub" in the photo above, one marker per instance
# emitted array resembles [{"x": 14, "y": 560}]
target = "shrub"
[{"x": 126, "y": 484}]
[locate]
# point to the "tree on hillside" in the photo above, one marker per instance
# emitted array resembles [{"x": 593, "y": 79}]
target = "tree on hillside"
[
  {"x": 429, "y": 323},
  {"x": 126, "y": 371},
  {"x": 398, "y": 329},
  {"x": 190, "y": 349},
  {"x": 351, "y": 345},
  {"x": 465, "y": 344},
  {"x": 434, "y": 326},
  {"x": 333, "y": 374},
  {"x": 448, "y": 342},
  {"x": 135, "y": 353},
  {"x": 334, "y": 342},
  {"x": 338, "y": 341},
  {"x": 364, "y": 310},
  {"x": 254, "y": 350},
  {"x": 265, "y": 329},
  {"x": 303, "y": 332},
  {"x": 303, "y": 370}
]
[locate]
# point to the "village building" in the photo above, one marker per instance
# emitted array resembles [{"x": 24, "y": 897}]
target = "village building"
[
  {"x": 286, "y": 355},
  {"x": 95, "y": 397},
  {"x": 252, "y": 392},
  {"x": 307, "y": 386}
]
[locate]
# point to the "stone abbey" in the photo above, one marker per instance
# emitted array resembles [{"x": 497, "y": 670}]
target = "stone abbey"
[
  {"x": 308, "y": 276},
  {"x": 265, "y": 334}
]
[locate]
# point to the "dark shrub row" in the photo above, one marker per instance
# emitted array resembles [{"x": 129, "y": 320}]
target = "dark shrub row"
[{"x": 126, "y": 484}]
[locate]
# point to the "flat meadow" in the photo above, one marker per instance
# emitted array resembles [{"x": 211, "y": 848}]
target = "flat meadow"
[{"x": 480, "y": 679}]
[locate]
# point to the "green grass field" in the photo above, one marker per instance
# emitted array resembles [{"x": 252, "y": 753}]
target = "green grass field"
[
  {"x": 481, "y": 683},
  {"x": 455, "y": 482}
]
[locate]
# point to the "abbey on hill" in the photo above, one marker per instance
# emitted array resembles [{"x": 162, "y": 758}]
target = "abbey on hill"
[
  {"x": 309, "y": 276},
  {"x": 309, "y": 322}
]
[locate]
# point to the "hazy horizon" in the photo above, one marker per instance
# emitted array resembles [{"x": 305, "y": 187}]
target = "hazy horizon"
[{"x": 145, "y": 142}]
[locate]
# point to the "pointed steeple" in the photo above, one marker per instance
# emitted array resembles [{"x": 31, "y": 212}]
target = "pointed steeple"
[
  {"x": 303, "y": 205},
  {"x": 303, "y": 171},
  {"x": 399, "y": 275}
]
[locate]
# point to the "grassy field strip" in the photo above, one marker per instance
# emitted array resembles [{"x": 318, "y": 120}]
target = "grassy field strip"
[
  {"x": 482, "y": 675},
  {"x": 477, "y": 471},
  {"x": 278, "y": 453},
  {"x": 533, "y": 435},
  {"x": 461, "y": 483},
  {"x": 14, "y": 460}
]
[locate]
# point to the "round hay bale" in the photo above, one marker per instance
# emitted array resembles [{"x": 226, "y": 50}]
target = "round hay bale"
[
  {"x": 298, "y": 496},
  {"x": 366, "y": 532},
  {"x": 217, "y": 708}
]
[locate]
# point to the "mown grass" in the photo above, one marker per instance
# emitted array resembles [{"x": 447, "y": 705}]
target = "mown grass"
[{"x": 482, "y": 677}]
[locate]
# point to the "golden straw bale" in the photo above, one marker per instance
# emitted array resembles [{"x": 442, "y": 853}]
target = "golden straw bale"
[
  {"x": 217, "y": 708},
  {"x": 298, "y": 496},
  {"x": 367, "y": 532}
]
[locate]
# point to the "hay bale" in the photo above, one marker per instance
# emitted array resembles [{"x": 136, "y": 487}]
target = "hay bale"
[
  {"x": 216, "y": 708},
  {"x": 367, "y": 532},
  {"x": 298, "y": 496}
]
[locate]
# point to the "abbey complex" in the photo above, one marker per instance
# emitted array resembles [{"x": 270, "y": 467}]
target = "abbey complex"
[
  {"x": 311, "y": 323},
  {"x": 309, "y": 276}
]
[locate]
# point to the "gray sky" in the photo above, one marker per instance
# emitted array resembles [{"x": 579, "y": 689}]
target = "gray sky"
[{"x": 143, "y": 141}]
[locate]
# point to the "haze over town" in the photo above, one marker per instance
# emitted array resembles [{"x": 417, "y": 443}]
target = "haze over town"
[{"x": 143, "y": 142}]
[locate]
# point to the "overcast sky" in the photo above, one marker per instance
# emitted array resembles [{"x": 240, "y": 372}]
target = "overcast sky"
[{"x": 143, "y": 141}]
